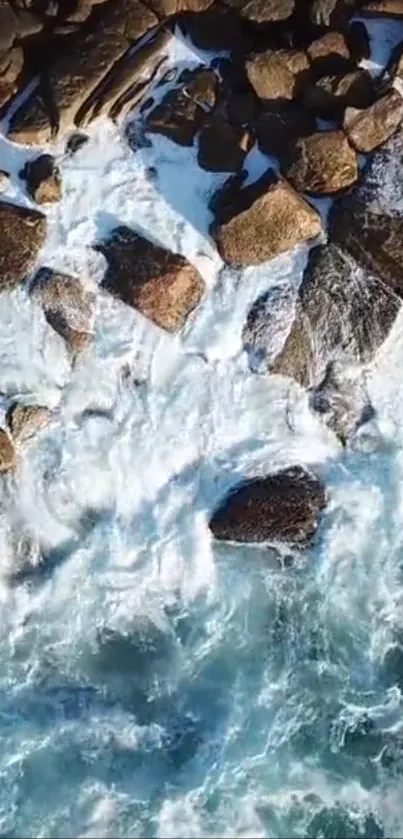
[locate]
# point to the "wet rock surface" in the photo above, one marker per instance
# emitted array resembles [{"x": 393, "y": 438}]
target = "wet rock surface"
[
  {"x": 25, "y": 421},
  {"x": 43, "y": 179},
  {"x": 283, "y": 507},
  {"x": 322, "y": 164},
  {"x": 22, "y": 236},
  {"x": 67, "y": 305},
  {"x": 163, "y": 286}
]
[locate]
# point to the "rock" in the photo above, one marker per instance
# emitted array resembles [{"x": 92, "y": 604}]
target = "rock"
[
  {"x": 282, "y": 507},
  {"x": 218, "y": 28},
  {"x": 329, "y": 54},
  {"x": 222, "y": 147},
  {"x": 368, "y": 221},
  {"x": 24, "y": 421},
  {"x": 30, "y": 123},
  {"x": 11, "y": 67},
  {"x": 263, "y": 11},
  {"x": 369, "y": 128},
  {"x": 8, "y": 27},
  {"x": 278, "y": 127},
  {"x": 278, "y": 74},
  {"x": 390, "y": 8},
  {"x": 28, "y": 24},
  {"x": 358, "y": 41},
  {"x": 181, "y": 113},
  {"x": 331, "y": 95},
  {"x": 7, "y": 452},
  {"x": 343, "y": 402},
  {"x": 331, "y": 12},
  {"x": 262, "y": 221},
  {"x": 322, "y": 164},
  {"x": 163, "y": 286},
  {"x": 43, "y": 179},
  {"x": 343, "y": 315},
  {"x": 75, "y": 142},
  {"x": 22, "y": 235},
  {"x": 4, "y": 180},
  {"x": 167, "y": 8},
  {"x": 68, "y": 307}
]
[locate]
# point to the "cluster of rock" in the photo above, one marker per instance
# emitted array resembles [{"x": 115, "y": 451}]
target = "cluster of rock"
[{"x": 289, "y": 65}]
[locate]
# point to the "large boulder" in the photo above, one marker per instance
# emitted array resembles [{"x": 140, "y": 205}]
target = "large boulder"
[
  {"x": 329, "y": 53},
  {"x": 369, "y": 128},
  {"x": 322, "y": 164},
  {"x": 283, "y": 507},
  {"x": 22, "y": 234},
  {"x": 278, "y": 74},
  {"x": 222, "y": 146},
  {"x": 263, "y": 11},
  {"x": 163, "y": 286},
  {"x": 278, "y": 127},
  {"x": 43, "y": 179},
  {"x": 181, "y": 112},
  {"x": 368, "y": 221},
  {"x": 262, "y": 221},
  {"x": 330, "y": 95},
  {"x": 68, "y": 307},
  {"x": 343, "y": 315}
]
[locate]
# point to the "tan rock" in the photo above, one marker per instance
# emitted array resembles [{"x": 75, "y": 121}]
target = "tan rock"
[
  {"x": 328, "y": 53},
  {"x": 277, "y": 74},
  {"x": 167, "y": 8},
  {"x": 22, "y": 234},
  {"x": 390, "y": 8},
  {"x": 263, "y": 11},
  {"x": 163, "y": 286},
  {"x": 7, "y": 452},
  {"x": 369, "y": 128},
  {"x": 4, "y": 180},
  {"x": 322, "y": 163},
  {"x": 262, "y": 221},
  {"x": 67, "y": 305},
  {"x": 24, "y": 421}
]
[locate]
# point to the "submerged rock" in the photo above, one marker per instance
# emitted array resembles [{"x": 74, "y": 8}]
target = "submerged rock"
[
  {"x": 163, "y": 286},
  {"x": 22, "y": 234},
  {"x": 262, "y": 221},
  {"x": 68, "y": 307},
  {"x": 282, "y": 507}
]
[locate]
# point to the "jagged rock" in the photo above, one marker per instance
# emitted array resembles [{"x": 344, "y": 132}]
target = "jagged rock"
[
  {"x": 343, "y": 315},
  {"x": 331, "y": 95},
  {"x": 263, "y": 220},
  {"x": 277, "y": 128},
  {"x": 11, "y": 65},
  {"x": 181, "y": 113},
  {"x": 163, "y": 286},
  {"x": 282, "y": 507},
  {"x": 390, "y": 8},
  {"x": 167, "y": 8},
  {"x": 22, "y": 235},
  {"x": 43, "y": 180},
  {"x": 368, "y": 221},
  {"x": 222, "y": 147},
  {"x": 263, "y": 11},
  {"x": 322, "y": 164},
  {"x": 24, "y": 421},
  {"x": 7, "y": 452},
  {"x": 8, "y": 26},
  {"x": 278, "y": 74},
  {"x": 68, "y": 307},
  {"x": 30, "y": 124},
  {"x": 369, "y": 128},
  {"x": 329, "y": 53},
  {"x": 4, "y": 180}
]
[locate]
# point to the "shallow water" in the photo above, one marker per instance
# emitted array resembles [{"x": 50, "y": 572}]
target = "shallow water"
[{"x": 153, "y": 683}]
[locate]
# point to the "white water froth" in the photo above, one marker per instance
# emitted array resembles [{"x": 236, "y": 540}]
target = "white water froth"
[{"x": 153, "y": 683}]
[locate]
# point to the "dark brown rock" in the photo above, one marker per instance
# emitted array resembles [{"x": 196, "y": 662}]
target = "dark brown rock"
[
  {"x": 8, "y": 26},
  {"x": 21, "y": 238},
  {"x": 358, "y": 40},
  {"x": 167, "y": 8},
  {"x": 331, "y": 95},
  {"x": 11, "y": 67},
  {"x": 331, "y": 12},
  {"x": 24, "y": 421},
  {"x": 278, "y": 127},
  {"x": 222, "y": 147},
  {"x": 262, "y": 221},
  {"x": 7, "y": 452},
  {"x": 217, "y": 28},
  {"x": 329, "y": 53},
  {"x": 181, "y": 113},
  {"x": 76, "y": 141},
  {"x": 163, "y": 286},
  {"x": 277, "y": 74},
  {"x": 322, "y": 164},
  {"x": 263, "y": 11},
  {"x": 369, "y": 128},
  {"x": 282, "y": 507},
  {"x": 31, "y": 124},
  {"x": 68, "y": 307},
  {"x": 43, "y": 179}
]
